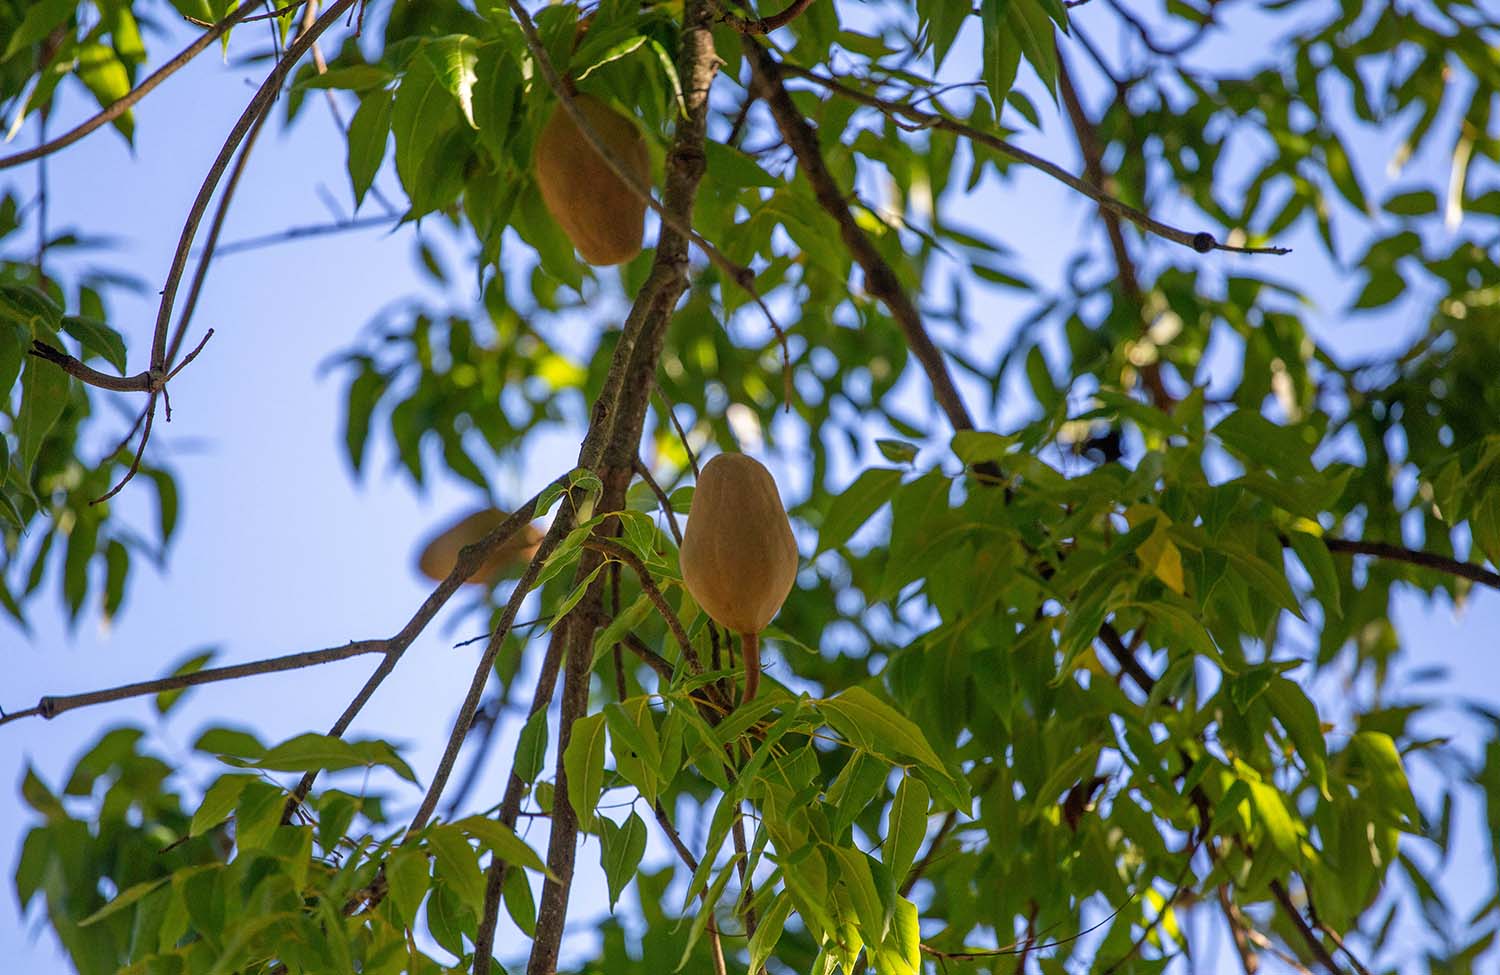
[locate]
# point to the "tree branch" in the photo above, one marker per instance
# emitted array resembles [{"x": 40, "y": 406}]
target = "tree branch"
[
  {"x": 1202, "y": 242},
  {"x": 880, "y": 279},
  {"x": 461, "y": 724},
  {"x": 124, "y": 103},
  {"x": 1427, "y": 560},
  {"x": 51, "y": 706},
  {"x": 763, "y": 25}
]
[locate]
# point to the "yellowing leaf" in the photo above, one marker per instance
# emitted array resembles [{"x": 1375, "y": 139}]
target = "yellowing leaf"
[{"x": 1158, "y": 552}]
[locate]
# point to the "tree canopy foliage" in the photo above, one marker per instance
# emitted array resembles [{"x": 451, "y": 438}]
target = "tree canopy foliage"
[{"x": 1047, "y": 686}]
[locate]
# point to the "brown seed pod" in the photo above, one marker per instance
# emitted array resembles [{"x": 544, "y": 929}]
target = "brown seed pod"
[
  {"x": 601, "y": 215},
  {"x": 440, "y": 554},
  {"x": 739, "y": 559}
]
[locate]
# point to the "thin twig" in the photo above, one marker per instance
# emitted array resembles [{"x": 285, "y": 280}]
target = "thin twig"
[
  {"x": 306, "y": 231},
  {"x": 140, "y": 451},
  {"x": 922, "y": 866},
  {"x": 124, "y": 103},
  {"x": 51, "y": 706},
  {"x": 1202, "y": 242},
  {"x": 677, "y": 425},
  {"x": 661, "y": 497},
  {"x": 1129, "y": 278},
  {"x": 195, "y": 288},
  {"x": 1239, "y": 930},
  {"x": 659, "y": 664}
]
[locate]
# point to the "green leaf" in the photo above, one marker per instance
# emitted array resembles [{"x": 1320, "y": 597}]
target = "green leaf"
[
  {"x": 870, "y": 723},
  {"x": 1384, "y": 287},
  {"x": 125, "y": 898},
  {"x": 377, "y": 752},
  {"x": 710, "y": 900},
  {"x": 620, "y": 852},
  {"x": 15, "y": 339},
  {"x": 1413, "y": 203},
  {"x": 408, "y": 873},
  {"x": 901, "y": 952},
  {"x": 584, "y": 762},
  {"x": 1257, "y": 440},
  {"x": 44, "y": 395},
  {"x": 519, "y": 903},
  {"x": 531, "y": 749},
  {"x": 107, "y": 78},
  {"x": 907, "y": 827},
  {"x": 452, "y": 59},
  {"x": 855, "y": 506},
  {"x": 194, "y": 663},
  {"x": 768, "y": 932},
  {"x": 430, "y": 144},
  {"x": 1297, "y": 714},
  {"x": 496, "y": 90},
  {"x": 897, "y": 451},
  {"x": 1275, "y": 820},
  {"x": 502, "y": 841},
  {"x": 457, "y": 863},
  {"x": 1001, "y": 52},
  {"x": 97, "y": 339},
  {"x": 350, "y": 77},
  {"x": 31, "y": 309},
  {"x": 311, "y": 752},
  {"x": 1315, "y": 558},
  {"x": 218, "y": 802},
  {"x": 42, "y": 17},
  {"x": 1385, "y": 781},
  {"x": 369, "y": 131}
]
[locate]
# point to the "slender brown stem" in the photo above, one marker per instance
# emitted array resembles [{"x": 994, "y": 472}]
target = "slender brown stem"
[
  {"x": 470, "y": 707},
  {"x": 750, "y": 643},
  {"x": 617, "y": 420},
  {"x": 510, "y": 810},
  {"x": 1093, "y": 171},
  {"x": 662, "y": 499},
  {"x": 1314, "y": 943}
]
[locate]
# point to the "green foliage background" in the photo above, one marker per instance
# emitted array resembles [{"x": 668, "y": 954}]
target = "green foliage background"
[{"x": 1045, "y": 681}]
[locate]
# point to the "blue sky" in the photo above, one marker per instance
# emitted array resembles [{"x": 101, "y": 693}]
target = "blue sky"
[{"x": 278, "y": 550}]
